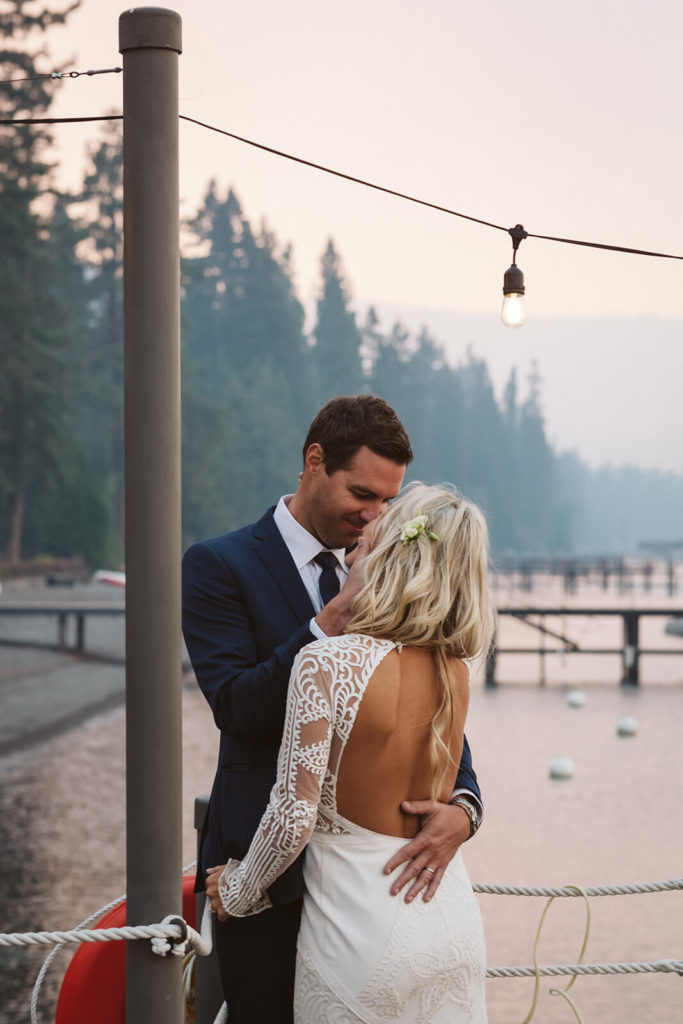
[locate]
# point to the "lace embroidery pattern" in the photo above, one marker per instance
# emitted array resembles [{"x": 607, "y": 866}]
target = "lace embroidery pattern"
[
  {"x": 445, "y": 971},
  {"x": 429, "y": 968},
  {"x": 327, "y": 684},
  {"x": 316, "y": 1002}
]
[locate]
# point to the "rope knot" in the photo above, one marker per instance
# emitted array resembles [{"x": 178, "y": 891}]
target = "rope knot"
[{"x": 171, "y": 945}]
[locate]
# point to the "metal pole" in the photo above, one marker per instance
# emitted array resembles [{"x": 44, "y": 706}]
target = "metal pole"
[
  {"x": 61, "y": 631},
  {"x": 150, "y": 41},
  {"x": 541, "y": 653},
  {"x": 80, "y": 633},
  {"x": 631, "y": 652},
  {"x": 490, "y": 665}
]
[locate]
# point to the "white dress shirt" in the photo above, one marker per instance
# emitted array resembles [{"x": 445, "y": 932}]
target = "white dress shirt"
[{"x": 303, "y": 547}]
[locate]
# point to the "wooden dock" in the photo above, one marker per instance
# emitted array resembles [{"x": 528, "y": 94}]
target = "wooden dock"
[
  {"x": 536, "y": 617},
  {"x": 62, "y": 612},
  {"x": 630, "y": 650}
]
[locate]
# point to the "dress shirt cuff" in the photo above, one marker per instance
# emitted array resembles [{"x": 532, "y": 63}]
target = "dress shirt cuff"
[
  {"x": 470, "y": 796},
  {"x": 320, "y": 635}
]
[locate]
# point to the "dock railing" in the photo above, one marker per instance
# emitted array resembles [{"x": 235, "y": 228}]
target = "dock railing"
[
  {"x": 630, "y": 651},
  {"x": 64, "y": 613},
  {"x": 73, "y": 640}
]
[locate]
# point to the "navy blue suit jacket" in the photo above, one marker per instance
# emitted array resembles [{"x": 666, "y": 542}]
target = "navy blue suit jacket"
[{"x": 245, "y": 617}]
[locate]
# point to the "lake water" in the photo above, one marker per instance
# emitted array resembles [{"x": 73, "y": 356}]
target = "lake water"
[{"x": 617, "y": 821}]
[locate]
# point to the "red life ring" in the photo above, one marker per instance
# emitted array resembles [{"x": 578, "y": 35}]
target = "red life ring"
[{"x": 94, "y": 986}]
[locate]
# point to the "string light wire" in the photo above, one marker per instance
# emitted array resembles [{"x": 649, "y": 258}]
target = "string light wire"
[
  {"x": 341, "y": 174},
  {"x": 59, "y": 120},
  {"x": 347, "y": 177},
  {"x": 62, "y": 74}
]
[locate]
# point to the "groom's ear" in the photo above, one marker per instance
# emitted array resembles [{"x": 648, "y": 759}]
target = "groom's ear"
[{"x": 314, "y": 460}]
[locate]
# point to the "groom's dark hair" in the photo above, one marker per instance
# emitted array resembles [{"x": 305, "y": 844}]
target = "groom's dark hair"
[{"x": 348, "y": 423}]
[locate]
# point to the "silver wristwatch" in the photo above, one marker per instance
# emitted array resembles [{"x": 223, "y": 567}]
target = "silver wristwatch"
[{"x": 470, "y": 810}]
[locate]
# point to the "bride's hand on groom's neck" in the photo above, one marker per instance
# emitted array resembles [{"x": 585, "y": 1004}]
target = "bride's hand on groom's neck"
[{"x": 337, "y": 613}]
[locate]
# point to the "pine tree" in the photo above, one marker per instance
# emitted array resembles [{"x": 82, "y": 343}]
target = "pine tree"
[
  {"x": 536, "y": 470},
  {"x": 245, "y": 365},
  {"x": 338, "y": 340},
  {"x": 482, "y": 444},
  {"x": 426, "y": 374},
  {"x": 100, "y": 371},
  {"x": 37, "y": 321},
  {"x": 371, "y": 339},
  {"x": 390, "y": 377}
]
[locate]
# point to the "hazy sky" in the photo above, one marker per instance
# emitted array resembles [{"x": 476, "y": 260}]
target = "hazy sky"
[{"x": 565, "y": 118}]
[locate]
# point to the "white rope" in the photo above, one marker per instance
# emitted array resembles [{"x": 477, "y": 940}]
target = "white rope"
[
  {"x": 601, "y": 890},
  {"x": 557, "y": 970},
  {"x": 537, "y": 972},
  {"x": 199, "y": 944},
  {"x": 202, "y": 942},
  {"x": 180, "y": 939},
  {"x": 189, "y": 969},
  {"x": 222, "y": 1015},
  {"x": 189, "y": 987},
  {"x": 178, "y": 936},
  {"x": 35, "y": 995},
  {"x": 142, "y": 931},
  {"x": 189, "y": 963}
]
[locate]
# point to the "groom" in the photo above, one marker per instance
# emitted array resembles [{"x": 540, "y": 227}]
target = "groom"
[{"x": 251, "y": 600}]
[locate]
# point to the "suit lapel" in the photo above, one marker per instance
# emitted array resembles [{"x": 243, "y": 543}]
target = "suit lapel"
[{"x": 274, "y": 553}]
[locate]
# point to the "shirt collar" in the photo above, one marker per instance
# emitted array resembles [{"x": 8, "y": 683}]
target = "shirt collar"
[{"x": 302, "y": 545}]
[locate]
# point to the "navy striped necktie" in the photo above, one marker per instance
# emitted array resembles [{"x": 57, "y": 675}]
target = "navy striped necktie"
[{"x": 328, "y": 581}]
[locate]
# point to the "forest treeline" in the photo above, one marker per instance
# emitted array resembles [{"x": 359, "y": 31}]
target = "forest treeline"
[{"x": 253, "y": 373}]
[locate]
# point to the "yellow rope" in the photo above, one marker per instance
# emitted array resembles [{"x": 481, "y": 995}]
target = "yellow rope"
[{"x": 537, "y": 980}]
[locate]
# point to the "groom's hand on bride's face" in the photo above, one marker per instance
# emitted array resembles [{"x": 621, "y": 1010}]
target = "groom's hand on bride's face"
[
  {"x": 443, "y": 830},
  {"x": 354, "y": 559},
  {"x": 337, "y": 612}
]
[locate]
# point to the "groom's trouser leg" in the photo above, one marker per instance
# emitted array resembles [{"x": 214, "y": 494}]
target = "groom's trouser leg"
[{"x": 256, "y": 958}]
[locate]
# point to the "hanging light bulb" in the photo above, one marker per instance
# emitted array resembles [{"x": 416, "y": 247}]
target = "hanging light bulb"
[{"x": 512, "y": 312}]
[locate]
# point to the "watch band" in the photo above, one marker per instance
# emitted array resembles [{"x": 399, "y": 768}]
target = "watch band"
[{"x": 471, "y": 812}]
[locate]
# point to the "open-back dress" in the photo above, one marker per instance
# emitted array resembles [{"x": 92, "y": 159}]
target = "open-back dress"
[{"x": 363, "y": 955}]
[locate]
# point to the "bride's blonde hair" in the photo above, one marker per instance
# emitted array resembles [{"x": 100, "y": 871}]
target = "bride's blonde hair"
[{"x": 429, "y": 592}]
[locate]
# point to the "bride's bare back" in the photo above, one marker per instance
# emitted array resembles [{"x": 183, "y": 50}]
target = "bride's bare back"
[{"x": 386, "y": 758}]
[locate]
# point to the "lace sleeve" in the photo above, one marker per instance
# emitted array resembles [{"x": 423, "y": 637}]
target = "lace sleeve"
[{"x": 288, "y": 821}]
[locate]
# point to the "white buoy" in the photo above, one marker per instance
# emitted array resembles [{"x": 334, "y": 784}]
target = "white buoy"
[
  {"x": 576, "y": 699},
  {"x": 561, "y": 768},
  {"x": 627, "y": 726}
]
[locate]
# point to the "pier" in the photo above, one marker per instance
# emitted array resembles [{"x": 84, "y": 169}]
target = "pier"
[
  {"x": 659, "y": 573},
  {"x": 62, "y": 612},
  {"x": 630, "y": 650},
  {"x": 71, "y": 617}
]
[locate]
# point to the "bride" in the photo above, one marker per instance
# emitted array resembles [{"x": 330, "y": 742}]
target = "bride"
[{"x": 374, "y": 717}]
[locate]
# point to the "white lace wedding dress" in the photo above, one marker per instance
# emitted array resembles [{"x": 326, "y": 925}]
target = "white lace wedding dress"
[{"x": 362, "y": 955}]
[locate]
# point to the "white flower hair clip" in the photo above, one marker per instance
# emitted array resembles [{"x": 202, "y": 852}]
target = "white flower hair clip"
[{"x": 414, "y": 528}]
